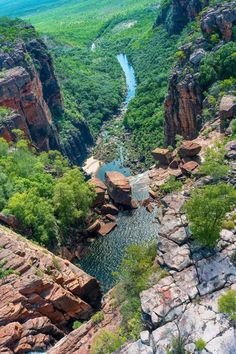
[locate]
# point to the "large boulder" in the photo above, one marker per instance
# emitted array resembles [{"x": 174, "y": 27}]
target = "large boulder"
[
  {"x": 162, "y": 156},
  {"x": 119, "y": 188},
  {"x": 189, "y": 149}
]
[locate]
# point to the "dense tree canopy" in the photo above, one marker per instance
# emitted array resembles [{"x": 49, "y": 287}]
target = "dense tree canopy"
[{"x": 46, "y": 196}]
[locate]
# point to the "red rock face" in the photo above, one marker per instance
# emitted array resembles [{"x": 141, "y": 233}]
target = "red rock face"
[
  {"x": 42, "y": 298},
  {"x": 21, "y": 93},
  {"x": 182, "y": 108},
  {"x": 118, "y": 188},
  {"x": 27, "y": 93}
]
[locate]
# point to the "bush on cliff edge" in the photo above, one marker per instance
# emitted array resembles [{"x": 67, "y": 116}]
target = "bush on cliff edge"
[{"x": 206, "y": 211}]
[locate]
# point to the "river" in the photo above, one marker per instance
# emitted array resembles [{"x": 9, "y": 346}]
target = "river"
[{"x": 134, "y": 226}]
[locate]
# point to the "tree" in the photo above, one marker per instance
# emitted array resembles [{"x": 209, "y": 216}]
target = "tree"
[
  {"x": 206, "y": 211},
  {"x": 35, "y": 214},
  {"x": 72, "y": 197}
]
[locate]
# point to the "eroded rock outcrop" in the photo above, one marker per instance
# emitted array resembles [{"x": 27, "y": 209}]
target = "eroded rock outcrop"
[
  {"x": 185, "y": 101},
  {"x": 43, "y": 296},
  {"x": 30, "y": 89},
  {"x": 23, "y": 92},
  {"x": 176, "y": 15},
  {"x": 183, "y": 106},
  {"x": 222, "y": 17}
]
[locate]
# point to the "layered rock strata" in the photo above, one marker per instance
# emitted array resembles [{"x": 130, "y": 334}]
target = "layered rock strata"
[{"x": 42, "y": 297}]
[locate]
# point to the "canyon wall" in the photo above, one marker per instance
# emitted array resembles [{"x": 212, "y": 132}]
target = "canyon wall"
[
  {"x": 186, "y": 96},
  {"x": 30, "y": 91}
]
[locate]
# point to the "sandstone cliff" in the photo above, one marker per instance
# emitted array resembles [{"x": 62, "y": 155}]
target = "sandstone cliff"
[
  {"x": 30, "y": 90},
  {"x": 186, "y": 96},
  {"x": 42, "y": 298},
  {"x": 177, "y": 13}
]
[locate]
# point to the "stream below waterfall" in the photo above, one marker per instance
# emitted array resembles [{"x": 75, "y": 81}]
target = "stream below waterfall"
[{"x": 134, "y": 226}]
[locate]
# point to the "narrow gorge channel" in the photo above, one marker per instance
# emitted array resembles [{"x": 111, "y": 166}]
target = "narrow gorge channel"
[{"x": 134, "y": 226}]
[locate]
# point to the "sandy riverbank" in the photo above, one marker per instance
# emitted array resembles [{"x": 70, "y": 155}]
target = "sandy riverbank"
[{"x": 91, "y": 166}]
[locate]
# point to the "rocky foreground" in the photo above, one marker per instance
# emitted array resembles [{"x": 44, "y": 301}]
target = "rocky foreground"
[
  {"x": 184, "y": 303},
  {"x": 42, "y": 298}
]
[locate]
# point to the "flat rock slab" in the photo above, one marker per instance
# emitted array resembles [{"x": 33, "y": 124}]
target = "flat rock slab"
[
  {"x": 162, "y": 298},
  {"x": 178, "y": 258},
  {"x": 170, "y": 224},
  {"x": 105, "y": 229},
  {"x": 214, "y": 272},
  {"x": 187, "y": 280}
]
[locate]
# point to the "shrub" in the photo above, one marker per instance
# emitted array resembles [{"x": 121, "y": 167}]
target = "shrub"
[
  {"x": 233, "y": 127},
  {"x": 177, "y": 345},
  {"x": 214, "y": 164},
  {"x": 4, "y": 113},
  {"x": 106, "y": 342},
  {"x": 200, "y": 344},
  {"x": 98, "y": 317},
  {"x": 227, "y": 304},
  {"x": 76, "y": 325},
  {"x": 206, "y": 210},
  {"x": 180, "y": 55},
  {"x": 171, "y": 185},
  {"x": 5, "y": 272},
  {"x": 228, "y": 225}
]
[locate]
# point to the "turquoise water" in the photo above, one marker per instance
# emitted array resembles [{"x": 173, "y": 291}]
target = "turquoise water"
[
  {"x": 134, "y": 226},
  {"x": 118, "y": 164},
  {"x": 129, "y": 77}
]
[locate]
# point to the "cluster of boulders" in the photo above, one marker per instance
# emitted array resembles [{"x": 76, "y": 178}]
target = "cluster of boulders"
[
  {"x": 184, "y": 159},
  {"x": 42, "y": 297},
  {"x": 111, "y": 197}
]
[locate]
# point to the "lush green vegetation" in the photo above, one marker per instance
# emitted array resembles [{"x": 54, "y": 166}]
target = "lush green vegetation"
[
  {"x": 133, "y": 277},
  {"x": 214, "y": 164},
  {"x": 4, "y": 113},
  {"x": 200, "y": 344},
  {"x": 227, "y": 304},
  {"x": 206, "y": 210},
  {"x": 90, "y": 76},
  {"x": 4, "y": 272},
  {"x": 171, "y": 185},
  {"x": 76, "y": 325},
  {"x": 12, "y": 30},
  {"x": 45, "y": 195},
  {"x": 98, "y": 317},
  {"x": 107, "y": 342}
]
